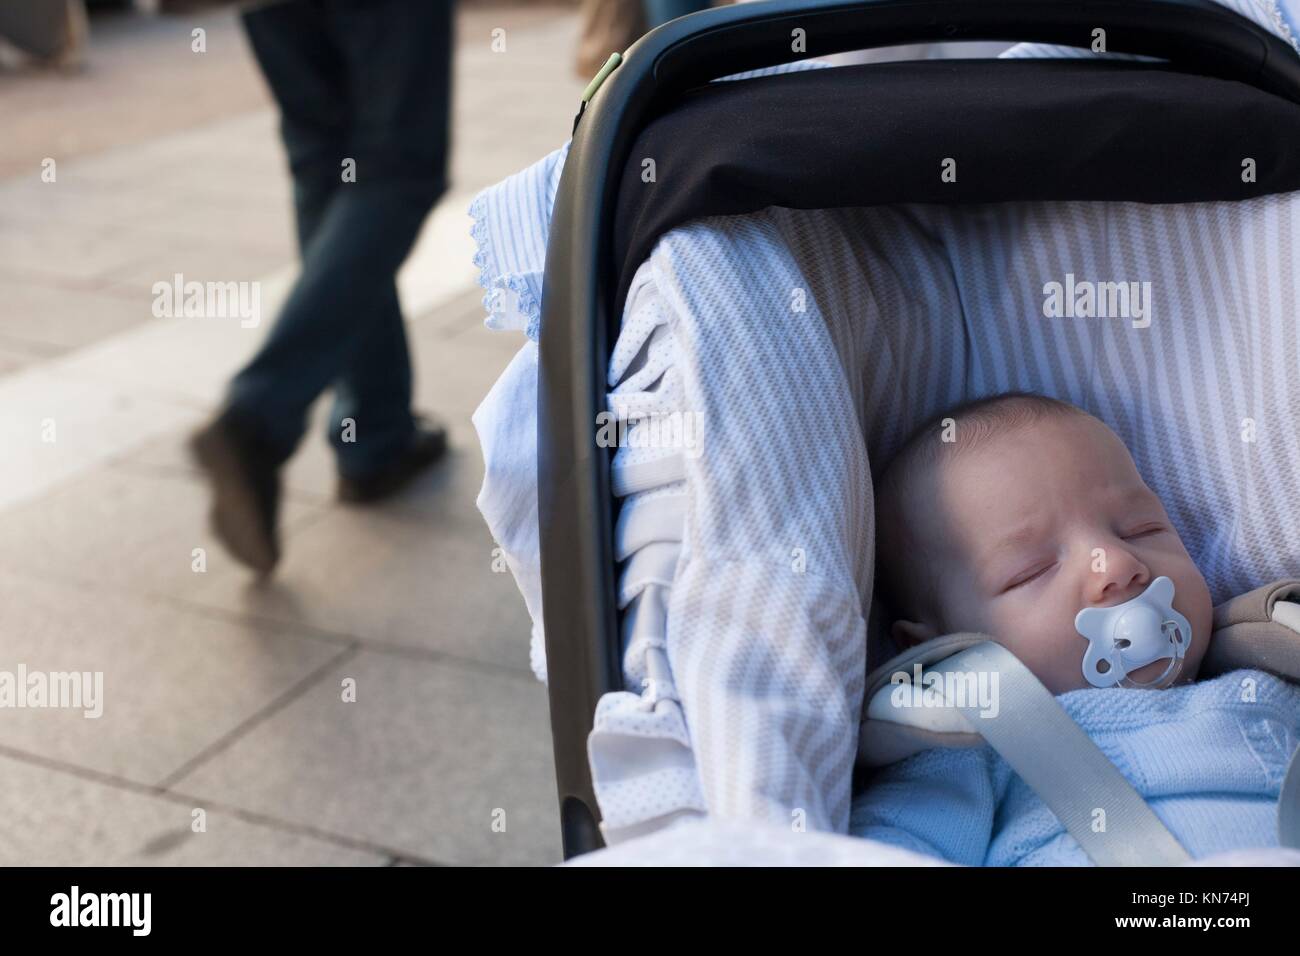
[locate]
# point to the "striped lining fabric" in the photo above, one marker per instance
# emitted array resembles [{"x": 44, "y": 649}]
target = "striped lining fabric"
[{"x": 908, "y": 310}]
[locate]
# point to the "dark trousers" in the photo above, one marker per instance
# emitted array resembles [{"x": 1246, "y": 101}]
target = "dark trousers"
[{"x": 366, "y": 81}]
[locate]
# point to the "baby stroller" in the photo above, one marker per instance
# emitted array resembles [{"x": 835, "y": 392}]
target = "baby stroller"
[{"x": 1008, "y": 118}]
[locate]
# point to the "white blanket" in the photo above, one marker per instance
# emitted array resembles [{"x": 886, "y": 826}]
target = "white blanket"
[
  {"x": 721, "y": 842},
  {"x": 807, "y": 343}
]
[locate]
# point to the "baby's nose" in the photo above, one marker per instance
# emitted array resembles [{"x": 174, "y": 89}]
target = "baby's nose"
[{"x": 1122, "y": 576}]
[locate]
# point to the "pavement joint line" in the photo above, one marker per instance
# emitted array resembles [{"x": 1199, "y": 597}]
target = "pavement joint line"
[
  {"x": 239, "y": 813},
  {"x": 395, "y": 649},
  {"x": 268, "y": 710},
  {"x": 280, "y": 627},
  {"x": 55, "y": 280},
  {"x": 369, "y": 644},
  {"x": 50, "y": 351},
  {"x": 276, "y": 628},
  {"x": 75, "y": 166},
  {"x": 304, "y": 829}
]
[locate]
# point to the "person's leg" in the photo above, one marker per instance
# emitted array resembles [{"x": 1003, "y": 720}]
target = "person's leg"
[
  {"x": 342, "y": 72},
  {"x": 342, "y": 311},
  {"x": 371, "y": 419},
  {"x": 305, "y": 72},
  {"x": 262, "y": 422},
  {"x": 399, "y": 76},
  {"x": 313, "y": 189}
]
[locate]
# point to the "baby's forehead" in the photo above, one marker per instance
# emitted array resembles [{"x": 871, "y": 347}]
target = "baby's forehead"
[
  {"x": 1005, "y": 472},
  {"x": 1046, "y": 441},
  {"x": 929, "y": 459}
]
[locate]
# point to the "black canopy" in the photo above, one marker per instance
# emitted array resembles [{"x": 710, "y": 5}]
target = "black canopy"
[{"x": 1087, "y": 129}]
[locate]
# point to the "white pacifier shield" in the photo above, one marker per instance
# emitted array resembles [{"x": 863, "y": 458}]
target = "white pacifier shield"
[{"x": 1131, "y": 635}]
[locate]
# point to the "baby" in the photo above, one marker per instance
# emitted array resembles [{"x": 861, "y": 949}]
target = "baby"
[{"x": 1008, "y": 516}]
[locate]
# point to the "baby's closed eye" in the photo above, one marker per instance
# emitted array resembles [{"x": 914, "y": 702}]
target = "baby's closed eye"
[
  {"x": 1145, "y": 530},
  {"x": 1032, "y": 573}
]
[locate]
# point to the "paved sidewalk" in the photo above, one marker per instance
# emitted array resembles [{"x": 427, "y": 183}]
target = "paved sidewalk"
[{"x": 221, "y": 696}]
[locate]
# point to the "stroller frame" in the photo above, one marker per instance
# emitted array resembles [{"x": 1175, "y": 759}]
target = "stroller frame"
[{"x": 579, "y": 311}]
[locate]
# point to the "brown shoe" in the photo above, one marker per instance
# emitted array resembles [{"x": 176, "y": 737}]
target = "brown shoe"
[
  {"x": 428, "y": 444},
  {"x": 246, "y": 493}
]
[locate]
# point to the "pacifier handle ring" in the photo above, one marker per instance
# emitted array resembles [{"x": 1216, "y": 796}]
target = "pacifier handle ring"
[
  {"x": 1175, "y": 665},
  {"x": 1175, "y": 661}
]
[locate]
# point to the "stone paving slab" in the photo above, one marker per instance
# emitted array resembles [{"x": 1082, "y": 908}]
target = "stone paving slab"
[
  {"x": 450, "y": 762},
  {"x": 55, "y": 818},
  {"x": 133, "y": 533},
  {"x": 409, "y": 581},
  {"x": 174, "y": 681},
  {"x": 55, "y": 316},
  {"x": 54, "y": 427}
]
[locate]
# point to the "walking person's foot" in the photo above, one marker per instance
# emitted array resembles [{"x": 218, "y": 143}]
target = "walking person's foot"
[
  {"x": 246, "y": 493},
  {"x": 428, "y": 444}
]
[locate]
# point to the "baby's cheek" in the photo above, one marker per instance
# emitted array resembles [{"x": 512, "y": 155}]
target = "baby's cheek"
[
  {"x": 1192, "y": 598},
  {"x": 1018, "y": 626},
  {"x": 1200, "y": 614},
  {"x": 1043, "y": 637}
]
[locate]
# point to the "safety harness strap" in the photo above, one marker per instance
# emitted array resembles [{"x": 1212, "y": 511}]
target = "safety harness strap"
[{"x": 1068, "y": 771}]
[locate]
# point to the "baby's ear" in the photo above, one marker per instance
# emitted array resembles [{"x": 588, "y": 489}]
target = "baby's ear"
[{"x": 910, "y": 633}]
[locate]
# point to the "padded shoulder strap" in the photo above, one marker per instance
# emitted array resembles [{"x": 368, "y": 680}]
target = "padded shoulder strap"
[
  {"x": 1288, "y": 806},
  {"x": 1063, "y": 765},
  {"x": 1259, "y": 629}
]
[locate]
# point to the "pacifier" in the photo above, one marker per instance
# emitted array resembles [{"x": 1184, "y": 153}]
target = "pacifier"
[{"x": 1129, "y": 636}]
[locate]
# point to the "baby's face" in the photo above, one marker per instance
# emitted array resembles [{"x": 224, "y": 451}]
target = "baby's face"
[{"x": 1040, "y": 522}]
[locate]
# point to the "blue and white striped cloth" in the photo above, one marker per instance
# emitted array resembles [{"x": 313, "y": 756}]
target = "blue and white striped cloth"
[{"x": 808, "y": 343}]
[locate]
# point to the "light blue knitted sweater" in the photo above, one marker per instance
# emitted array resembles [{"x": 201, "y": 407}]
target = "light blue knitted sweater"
[{"x": 1208, "y": 757}]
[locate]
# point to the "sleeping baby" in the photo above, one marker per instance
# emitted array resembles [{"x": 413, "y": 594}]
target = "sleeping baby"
[{"x": 1025, "y": 518}]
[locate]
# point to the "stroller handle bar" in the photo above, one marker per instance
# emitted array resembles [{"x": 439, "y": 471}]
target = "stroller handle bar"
[
  {"x": 576, "y": 508},
  {"x": 1195, "y": 34}
]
